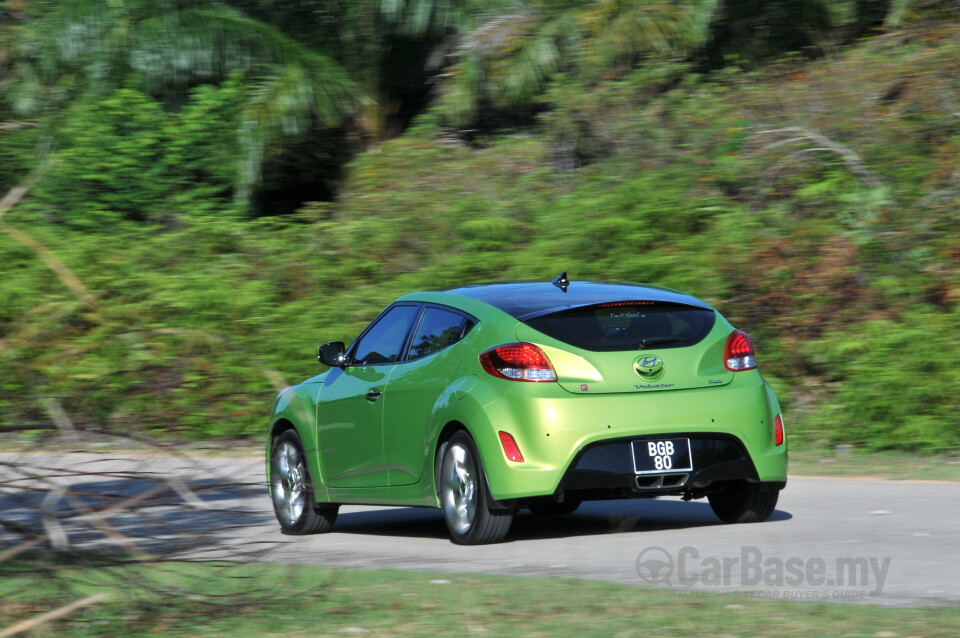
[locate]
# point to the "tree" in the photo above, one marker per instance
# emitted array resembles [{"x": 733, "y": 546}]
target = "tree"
[
  {"x": 870, "y": 16},
  {"x": 79, "y": 50},
  {"x": 504, "y": 65}
]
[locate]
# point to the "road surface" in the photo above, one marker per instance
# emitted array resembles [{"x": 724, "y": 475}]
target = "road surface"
[{"x": 876, "y": 541}]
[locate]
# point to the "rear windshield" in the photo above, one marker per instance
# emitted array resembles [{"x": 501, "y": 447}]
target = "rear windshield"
[{"x": 627, "y": 326}]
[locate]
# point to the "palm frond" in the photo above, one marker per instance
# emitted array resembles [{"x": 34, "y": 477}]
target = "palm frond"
[
  {"x": 516, "y": 54},
  {"x": 631, "y": 30},
  {"x": 204, "y": 45},
  {"x": 504, "y": 62},
  {"x": 424, "y": 17},
  {"x": 286, "y": 103}
]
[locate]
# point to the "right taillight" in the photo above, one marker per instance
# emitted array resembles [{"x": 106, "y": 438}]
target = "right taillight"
[
  {"x": 738, "y": 355},
  {"x": 518, "y": 362},
  {"x": 778, "y": 430}
]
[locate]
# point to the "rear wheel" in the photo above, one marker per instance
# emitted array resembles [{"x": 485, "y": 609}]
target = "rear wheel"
[
  {"x": 743, "y": 502},
  {"x": 463, "y": 495},
  {"x": 550, "y": 508},
  {"x": 291, "y": 489}
]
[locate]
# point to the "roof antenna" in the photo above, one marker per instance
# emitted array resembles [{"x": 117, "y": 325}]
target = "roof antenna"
[{"x": 562, "y": 282}]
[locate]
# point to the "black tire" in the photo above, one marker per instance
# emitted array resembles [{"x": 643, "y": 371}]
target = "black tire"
[
  {"x": 743, "y": 502},
  {"x": 291, "y": 489},
  {"x": 550, "y": 508},
  {"x": 462, "y": 488}
]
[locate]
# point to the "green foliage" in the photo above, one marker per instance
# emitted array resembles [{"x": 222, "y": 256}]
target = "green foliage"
[
  {"x": 124, "y": 159},
  {"x": 814, "y": 203},
  {"x": 111, "y": 168},
  {"x": 71, "y": 55},
  {"x": 504, "y": 65},
  {"x": 896, "y": 386}
]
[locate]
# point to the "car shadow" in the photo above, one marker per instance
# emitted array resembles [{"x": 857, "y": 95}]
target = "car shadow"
[{"x": 592, "y": 518}]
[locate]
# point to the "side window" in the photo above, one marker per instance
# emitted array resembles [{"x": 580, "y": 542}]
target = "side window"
[
  {"x": 437, "y": 330},
  {"x": 384, "y": 341}
]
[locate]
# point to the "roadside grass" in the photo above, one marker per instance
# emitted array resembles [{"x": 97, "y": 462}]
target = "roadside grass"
[
  {"x": 299, "y": 600},
  {"x": 806, "y": 458},
  {"x": 821, "y": 460}
]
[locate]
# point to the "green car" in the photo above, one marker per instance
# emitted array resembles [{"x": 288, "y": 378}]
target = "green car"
[{"x": 487, "y": 399}]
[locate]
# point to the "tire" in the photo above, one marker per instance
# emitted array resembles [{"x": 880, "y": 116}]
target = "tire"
[
  {"x": 743, "y": 502},
  {"x": 550, "y": 508},
  {"x": 291, "y": 489},
  {"x": 462, "y": 488}
]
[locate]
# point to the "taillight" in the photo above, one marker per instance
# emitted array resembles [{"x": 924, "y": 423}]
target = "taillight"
[
  {"x": 738, "y": 355},
  {"x": 510, "y": 447},
  {"x": 518, "y": 362},
  {"x": 778, "y": 430}
]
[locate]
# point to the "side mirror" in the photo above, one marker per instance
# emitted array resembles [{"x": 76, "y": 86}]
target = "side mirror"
[{"x": 332, "y": 354}]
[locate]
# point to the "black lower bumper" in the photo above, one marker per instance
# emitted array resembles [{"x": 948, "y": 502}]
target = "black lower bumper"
[{"x": 606, "y": 469}]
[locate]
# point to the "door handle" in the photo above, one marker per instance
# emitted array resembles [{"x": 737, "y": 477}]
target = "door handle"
[{"x": 373, "y": 395}]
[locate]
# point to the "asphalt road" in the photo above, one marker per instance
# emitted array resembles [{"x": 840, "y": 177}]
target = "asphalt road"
[{"x": 881, "y": 542}]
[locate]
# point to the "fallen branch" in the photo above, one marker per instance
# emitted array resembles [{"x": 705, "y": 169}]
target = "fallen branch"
[
  {"x": 13, "y": 196},
  {"x": 850, "y": 158},
  {"x": 8, "y": 127},
  {"x": 69, "y": 279},
  {"x": 56, "y": 614}
]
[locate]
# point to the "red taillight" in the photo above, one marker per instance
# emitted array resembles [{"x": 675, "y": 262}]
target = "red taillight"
[
  {"x": 738, "y": 355},
  {"x": 778, "y": 430},
  {"x": 510, "y": 447},
  {"x": 518, "y": 362}
]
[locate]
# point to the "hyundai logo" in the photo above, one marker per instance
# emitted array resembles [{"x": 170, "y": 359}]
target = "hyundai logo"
[{"x": 648, "y": 366}]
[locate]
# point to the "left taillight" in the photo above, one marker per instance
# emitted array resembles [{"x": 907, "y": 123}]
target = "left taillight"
[
  {"x": 738, "y": 355},
  {"x": 518, "y": 362}
]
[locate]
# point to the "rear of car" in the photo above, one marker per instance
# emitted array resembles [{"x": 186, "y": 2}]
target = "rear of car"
[
  {"x": 623, "y": 391},
  {"x": 486, "y": 399}
]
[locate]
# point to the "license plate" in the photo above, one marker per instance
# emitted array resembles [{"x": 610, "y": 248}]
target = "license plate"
[{"x": 662, "y": 455}]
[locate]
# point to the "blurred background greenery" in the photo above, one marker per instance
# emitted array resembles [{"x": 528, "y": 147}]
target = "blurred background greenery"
[{"x": 213, "y": 188}]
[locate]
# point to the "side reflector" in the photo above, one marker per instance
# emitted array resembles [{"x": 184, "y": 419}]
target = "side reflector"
[
  {"x": 510, "y": 447},
  {"x": 778, "y": 430}
]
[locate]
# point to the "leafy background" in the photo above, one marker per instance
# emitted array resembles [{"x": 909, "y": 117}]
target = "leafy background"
[{"x": 215, "y": 188}]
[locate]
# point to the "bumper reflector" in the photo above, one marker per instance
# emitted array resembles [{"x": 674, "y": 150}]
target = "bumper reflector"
[{"x": 510, "y": 447}]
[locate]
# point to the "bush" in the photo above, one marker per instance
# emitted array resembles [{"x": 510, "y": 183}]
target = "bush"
[
  {"x": 895, "y": 382},
  {"x": 123, "y": 159}
]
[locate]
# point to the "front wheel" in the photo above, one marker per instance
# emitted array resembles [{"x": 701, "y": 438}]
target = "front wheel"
[
  {"x": 291, "y": 489},
  {"x": 463, "y": 495},
  {"x": 743, "y": 502}
]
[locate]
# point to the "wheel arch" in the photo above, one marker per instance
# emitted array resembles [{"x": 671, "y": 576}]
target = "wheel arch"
[
  {"x": 280, "y": 426},
  {"x": 448, "y": 430}
]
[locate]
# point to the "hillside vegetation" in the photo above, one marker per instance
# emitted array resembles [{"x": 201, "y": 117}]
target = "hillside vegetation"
[{"x": 813, "y": 201}]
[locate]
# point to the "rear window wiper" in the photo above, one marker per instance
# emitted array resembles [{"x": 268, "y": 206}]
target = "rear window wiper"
[{"x": 655, "y": 341}]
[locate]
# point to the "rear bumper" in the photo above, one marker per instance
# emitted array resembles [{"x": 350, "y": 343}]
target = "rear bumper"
[{"x": 583, "y": 443}]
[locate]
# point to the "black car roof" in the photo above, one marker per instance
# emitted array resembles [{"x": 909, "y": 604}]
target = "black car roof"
[{"x": 528, "y": 299}]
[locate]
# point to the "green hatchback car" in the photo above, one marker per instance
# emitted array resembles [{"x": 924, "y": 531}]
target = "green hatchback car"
[{"x": 486, "y": 399}]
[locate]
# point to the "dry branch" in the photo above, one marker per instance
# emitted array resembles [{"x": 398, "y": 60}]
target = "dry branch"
[
  {"x": 819, "y": 143},
  {"x": 56, "y": 614},
  {"x": 8, "y": 127},
  {"x": 69, "y": 279}
]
